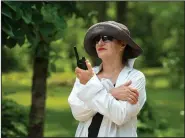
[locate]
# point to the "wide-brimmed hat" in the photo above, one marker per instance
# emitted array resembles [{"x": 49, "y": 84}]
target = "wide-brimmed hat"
[{"x": 114, "y": 29}]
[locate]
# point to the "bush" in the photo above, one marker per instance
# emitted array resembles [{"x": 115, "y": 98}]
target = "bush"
[
  {"x": 14, "y": 121},
  {"x": 15, "y": 59},
  {"x": 148, "y": 122}
]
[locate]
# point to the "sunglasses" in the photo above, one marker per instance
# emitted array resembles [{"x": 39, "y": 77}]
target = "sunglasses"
[{"x": 104, "y": 38}]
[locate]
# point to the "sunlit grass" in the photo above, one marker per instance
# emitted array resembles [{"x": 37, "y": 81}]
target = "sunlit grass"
[
  {"x": 53, "y": 101},
  {"x": 57, "y": 103},
  {"x": 23, "y": 98},
  {"x": 154, "y": 71}
]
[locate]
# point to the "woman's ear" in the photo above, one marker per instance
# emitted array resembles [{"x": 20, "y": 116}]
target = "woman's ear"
[
  {"x": 123, "y": 43},
  {"x": 122, "y": 48}
]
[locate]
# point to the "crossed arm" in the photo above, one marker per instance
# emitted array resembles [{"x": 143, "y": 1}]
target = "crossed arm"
[{"x": 86, "y": 100}]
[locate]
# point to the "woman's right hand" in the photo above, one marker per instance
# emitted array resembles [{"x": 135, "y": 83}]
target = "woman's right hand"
[{"x": 126, "y": 93}]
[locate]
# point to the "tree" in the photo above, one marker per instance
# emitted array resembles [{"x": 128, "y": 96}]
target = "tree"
[
  {"x": 121, "y": 9},
  {"x": 39, "y": 23},
  {"x": 158, "y": 28}
]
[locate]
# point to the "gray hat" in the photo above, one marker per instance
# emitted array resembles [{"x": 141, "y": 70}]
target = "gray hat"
[{"x": 114, "y": 29}]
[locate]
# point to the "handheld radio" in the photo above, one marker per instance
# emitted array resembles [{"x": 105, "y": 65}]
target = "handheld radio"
[{"x": 80, "y": 62}]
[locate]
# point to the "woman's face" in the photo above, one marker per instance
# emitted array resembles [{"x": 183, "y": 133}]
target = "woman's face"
[{"x": 107, "y": 47}]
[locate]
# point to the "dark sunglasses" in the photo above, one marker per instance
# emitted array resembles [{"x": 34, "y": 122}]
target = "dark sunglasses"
[{"x": 104, "y": 38}]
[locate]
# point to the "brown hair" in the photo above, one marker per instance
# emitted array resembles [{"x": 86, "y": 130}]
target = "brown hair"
[{"x": 126, "y": 54}]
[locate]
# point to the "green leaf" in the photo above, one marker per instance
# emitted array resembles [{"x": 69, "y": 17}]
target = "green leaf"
[
  {"x": 46, "y": 30},
  {"x": 12, "y": 4},
  {"x": 3, "y": 39},
  {"x": 48, "y": 74},
  {"x": 53, "y": 67},
  {"x": 46, "y": 48},
  {"x": 33, "y": 38},
  {"x": 27, "y": 16},
  {"x": 37, "y": 17},
  {"x": 20, "y": 41},
  {"x": 6, "y": 11},
  {"x": 7, "y": 28},
  {"x": 58, "y": 35},
  {"x": 11, "y": 42},
  {"x": 19, "y": 33},
  {"x": 38, "y": 6},
  {"x": 19, "y": 14},
  {"x": 41, "y": 50}
]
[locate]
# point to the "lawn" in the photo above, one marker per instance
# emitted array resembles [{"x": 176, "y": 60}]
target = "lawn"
[{"x": 167, "y": 103}]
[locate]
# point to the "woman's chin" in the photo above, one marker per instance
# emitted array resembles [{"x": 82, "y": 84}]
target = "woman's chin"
[{"x": 103, "y": 55}]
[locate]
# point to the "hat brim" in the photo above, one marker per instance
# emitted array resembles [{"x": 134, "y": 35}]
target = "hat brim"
[{"x": 110, "y": 30}]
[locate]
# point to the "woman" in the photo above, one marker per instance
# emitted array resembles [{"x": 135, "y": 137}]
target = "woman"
[{"x": 106, "y": 99}]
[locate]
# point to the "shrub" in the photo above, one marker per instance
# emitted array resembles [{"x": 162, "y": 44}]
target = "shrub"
[
  {"x": 148, "y": 122},
  {"x": 14, "y": 119}
]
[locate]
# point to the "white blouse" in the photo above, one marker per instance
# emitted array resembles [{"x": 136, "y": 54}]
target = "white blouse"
[{"x": 120, "y": 117}]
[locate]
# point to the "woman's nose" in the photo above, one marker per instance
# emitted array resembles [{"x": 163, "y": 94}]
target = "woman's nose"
[{"x": 101, "y": 42}]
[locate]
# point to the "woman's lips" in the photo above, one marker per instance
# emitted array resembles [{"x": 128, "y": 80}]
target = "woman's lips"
[{"x": 100, "y": 49}]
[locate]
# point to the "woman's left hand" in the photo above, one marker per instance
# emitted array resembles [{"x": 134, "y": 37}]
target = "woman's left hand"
[
  {"x": 84, "y": 75},
  {"x": 126, "y": 93}
]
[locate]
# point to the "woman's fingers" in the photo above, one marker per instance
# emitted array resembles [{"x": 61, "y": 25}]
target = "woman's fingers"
[
  {"x": 130, "y": 100},
  {"x": 134, "y": 90},
  {"x": 78, "y": 70},
  {"x": 126, "y": 94},
  {"x": 89, "y": 67},
  {"x": 134, "y": 94},
  {"x": 78, "y": 75},
  {"x": 133, "y": 98},
  {"x": 120, "y": 96},
  {"x": 84, "y": 75}
]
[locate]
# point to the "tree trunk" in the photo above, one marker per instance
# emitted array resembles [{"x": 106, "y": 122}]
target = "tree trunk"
[
  {"x": 37, "y": 112},
  {"x": 102, "y": 7},
  {"x": 121, "y": 7}
]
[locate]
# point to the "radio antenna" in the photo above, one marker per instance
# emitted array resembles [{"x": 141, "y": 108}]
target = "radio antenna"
[{"x": 76, "y": 53}]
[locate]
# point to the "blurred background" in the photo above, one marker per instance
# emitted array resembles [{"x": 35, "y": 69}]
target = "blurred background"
[{"x": 38, "y": 63}]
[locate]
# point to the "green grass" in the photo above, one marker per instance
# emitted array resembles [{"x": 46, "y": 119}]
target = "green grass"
[
  {"x": 168, "y": 106},
  {"x": 167, "y": 103}
]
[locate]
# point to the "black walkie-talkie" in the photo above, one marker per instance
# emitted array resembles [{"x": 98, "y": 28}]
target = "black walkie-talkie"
[{"x": 80, "y": 62}]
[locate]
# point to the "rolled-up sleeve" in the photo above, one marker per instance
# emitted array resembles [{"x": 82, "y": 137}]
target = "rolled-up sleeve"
[{"x": 96, "y": 97}]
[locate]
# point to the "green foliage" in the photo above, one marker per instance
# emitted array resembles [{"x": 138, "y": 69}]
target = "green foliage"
[
  {"x": 172, "y": 42},
  {"x": 14, "y": 119},
  {"x": 162, "y": 44},
  {"x": 152, "y": 25},
  {"x": 62, "y": 53},
  {"x": 148, "y": 121},
  {"x": 36, "y": 23},
  {"x": 158, "y": 29},
  {"x": 16, "y": 60},
  {"x": 40, "y": 22}
]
